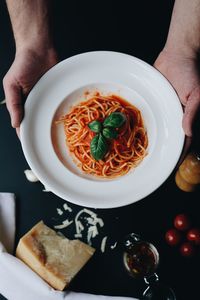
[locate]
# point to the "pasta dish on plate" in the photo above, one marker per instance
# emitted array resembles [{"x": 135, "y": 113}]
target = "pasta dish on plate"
[{"x": 105, "y": 135}]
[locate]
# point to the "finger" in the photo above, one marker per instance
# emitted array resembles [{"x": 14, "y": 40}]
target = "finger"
[
  {"x": 186, "y": 148},
  {"x": 14, "y": 102},
  {"x": 191, "y": 110},
  {"x": 18, "y": 132}
]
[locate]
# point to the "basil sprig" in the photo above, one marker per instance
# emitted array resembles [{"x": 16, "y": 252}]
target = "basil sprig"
[
  {"x": 95, "y": 126},
  {"x": 115, "y": 120},
  {"x": 98, "y": 146},
  {"x": 110, "y": 133},
  {"x": 106, "y": 130}
]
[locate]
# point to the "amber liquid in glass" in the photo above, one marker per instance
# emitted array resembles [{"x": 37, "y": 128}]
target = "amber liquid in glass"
[{"x": 141, "y": 259}]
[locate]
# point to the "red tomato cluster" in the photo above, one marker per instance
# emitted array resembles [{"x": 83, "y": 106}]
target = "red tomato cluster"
[{"x": 182, "y": 229}]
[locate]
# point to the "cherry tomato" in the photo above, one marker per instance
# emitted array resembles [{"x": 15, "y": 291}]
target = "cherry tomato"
[
  {"x": 172, "y": 237},
  {"x": 193, "y": 235},
  {"x": 181, "y": 222},
  {"x": 187, "y": 249}
]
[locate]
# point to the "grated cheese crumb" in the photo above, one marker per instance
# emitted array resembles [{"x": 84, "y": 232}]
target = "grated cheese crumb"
[
  {"x": 86, "y": 223},
  {"x": 64, "y": 224},
  {"x": 46, "y": 190},
  {"x": 89, "y": 236},
  {"x": 78, "y": 235},
  {"x": 101, "y": 223},
  {"x": 30, "y": 176},
  {"x": 103, "y": 244},
  {"x": 61, "y": 234},
  {"x": 59, "y": 211},
  {"x": 3, "y": 102},
  {"x": 92, "y": 220},
  {"x": 66, "y": 207},
  {"x": 113, "y": 246}
]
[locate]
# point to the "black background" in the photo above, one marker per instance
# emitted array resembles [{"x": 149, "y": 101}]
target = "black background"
[{"x": 138, "y": 28}]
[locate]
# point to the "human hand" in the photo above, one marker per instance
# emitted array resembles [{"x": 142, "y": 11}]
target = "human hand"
[
  {"x": 28, "y": 66},
  {"x": 182, "y": 72}
]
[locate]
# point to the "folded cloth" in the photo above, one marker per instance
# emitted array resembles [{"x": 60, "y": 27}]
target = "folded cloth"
[
  {"x": 7, "y": 220},
  {"x": 18, "y": 281}
]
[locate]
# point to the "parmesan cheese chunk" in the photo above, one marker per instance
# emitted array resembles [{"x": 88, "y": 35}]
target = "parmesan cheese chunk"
[{"x": 55, "y": 258}]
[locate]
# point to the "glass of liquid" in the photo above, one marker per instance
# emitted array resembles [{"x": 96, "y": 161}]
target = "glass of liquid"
[{"x": 141, "y": 260}]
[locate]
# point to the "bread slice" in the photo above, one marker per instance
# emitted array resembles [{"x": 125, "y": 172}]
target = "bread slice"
[{"x": 55, "y": 258}]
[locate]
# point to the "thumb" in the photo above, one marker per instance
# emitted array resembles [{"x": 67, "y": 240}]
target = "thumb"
[
  {"x": 14, "y": 105},
  {"x": 191, "y": 110},
  {"x": 18, "y": 132}
]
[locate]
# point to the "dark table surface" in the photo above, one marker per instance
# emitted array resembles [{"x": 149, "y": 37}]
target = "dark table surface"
[{"x": 139, "y": 30}]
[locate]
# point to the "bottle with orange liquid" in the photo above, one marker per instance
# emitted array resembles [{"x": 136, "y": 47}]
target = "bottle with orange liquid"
[{"x": 187, "y": 177}]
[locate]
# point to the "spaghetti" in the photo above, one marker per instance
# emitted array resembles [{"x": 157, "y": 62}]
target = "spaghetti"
[{"x": 124, "y": 153}]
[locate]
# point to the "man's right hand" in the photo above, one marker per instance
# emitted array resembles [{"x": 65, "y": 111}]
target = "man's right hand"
[{"x": 27, "y": 68}]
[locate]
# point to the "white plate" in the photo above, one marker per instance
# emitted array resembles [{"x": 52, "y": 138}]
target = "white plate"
[{"x": 108, "y": 72}]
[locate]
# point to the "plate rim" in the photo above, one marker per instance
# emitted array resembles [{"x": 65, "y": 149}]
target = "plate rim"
[{"x": 67, "y": 197}]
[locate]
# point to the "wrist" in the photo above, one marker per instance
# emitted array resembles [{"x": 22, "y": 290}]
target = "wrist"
[
  {"x": 40, "y": 53},
  {"x": 185, "y": 51},
  {"x": 36, "y": 44}
]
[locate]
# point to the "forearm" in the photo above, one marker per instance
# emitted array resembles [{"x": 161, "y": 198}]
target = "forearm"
[
  {"x": 31, "y": 23},
  {"x": 184, "y": 32}
]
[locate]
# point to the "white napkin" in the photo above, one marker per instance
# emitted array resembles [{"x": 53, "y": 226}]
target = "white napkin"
[
  {"x": 19, "y": 282},
  {"x": 7, "y": 220}
]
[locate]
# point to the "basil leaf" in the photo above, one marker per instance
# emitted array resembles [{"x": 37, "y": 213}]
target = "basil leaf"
[
  {"x": 98, "y": 147},
  {"x": 110, "y": 133},
  {"x": 116, "y": 119},
  {"x": 95, "y": 126}
]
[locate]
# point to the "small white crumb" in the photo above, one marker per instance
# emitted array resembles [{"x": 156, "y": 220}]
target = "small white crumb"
[
  {"x": 100, "y": 221},
  {"x": 81, "y": 227},
  {"x": 46, "y": 189},
  {"x": 86, "y": 223},
  {"x": 94, "y": 230},
  {"x": 30, "y": 176},
  {"x": 90, "y": 221},
  {"x": 66, "y": 207},
  {"x": 78, "y": 235},
  {"x": 59, "y": 211},
  {"x": 3, "y": 102},
  {"x": 113, "y": 246},
  {"x": 103, "y": 244},
  {"x": 89, "y": 212},
  {"x": 60, "y": 234},
  {"x": 64, "y": 224},
  {"x": 89, "y": 236}
]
